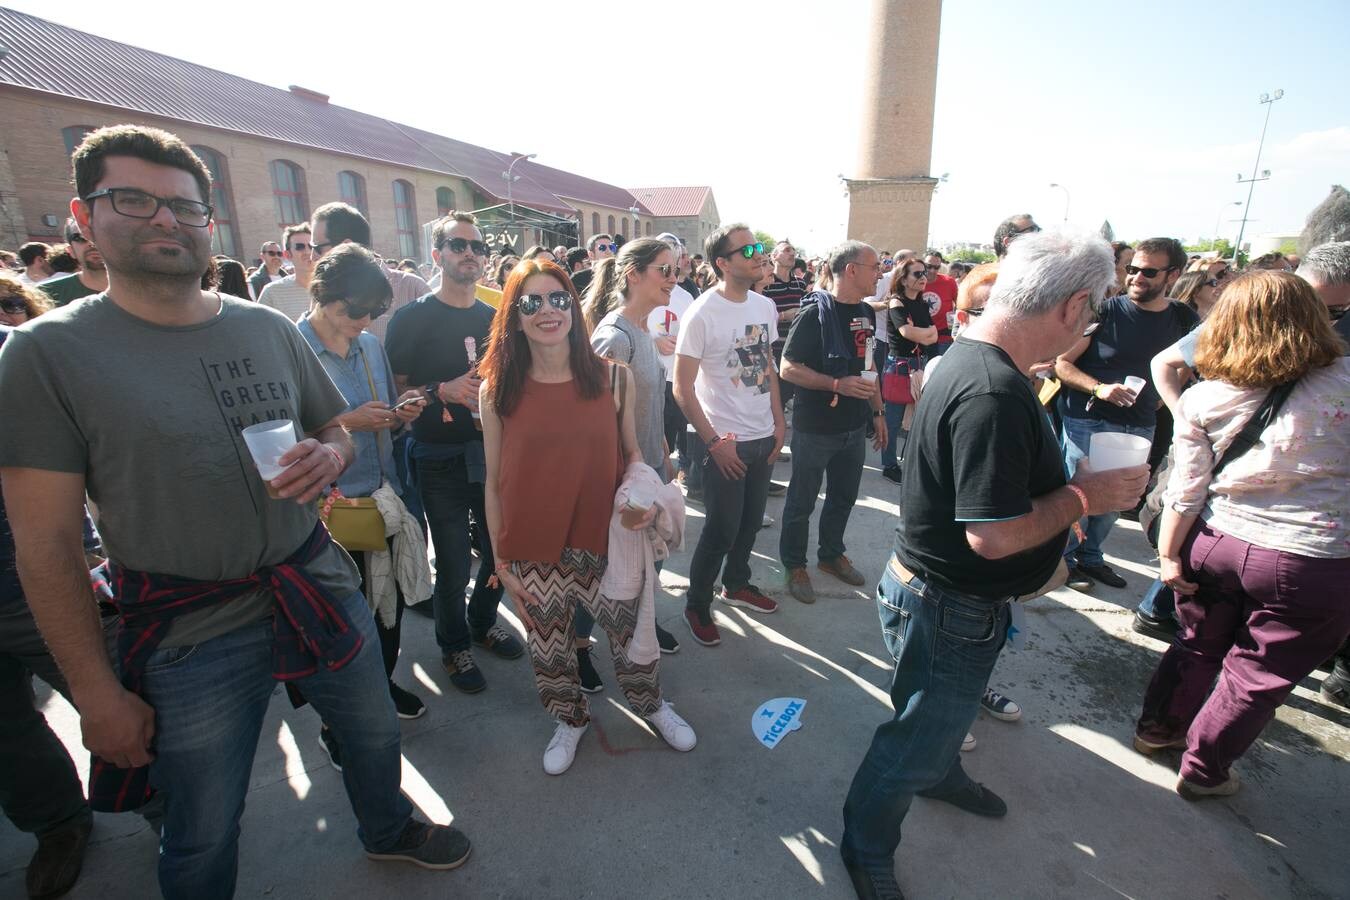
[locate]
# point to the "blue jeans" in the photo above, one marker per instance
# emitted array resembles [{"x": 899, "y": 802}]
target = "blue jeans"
[
  {"x": 449, "y": 497},
  {"x": 1159, "y": 601},
  {"x": 209, "y": 701},
  {"x": 1077, "y": 437},
  {"x": 895, "y": 415},
  {"x": 945, "y": 646},
  {"x": 838, "y": 460},
  {"x": 734, "y": 513}
]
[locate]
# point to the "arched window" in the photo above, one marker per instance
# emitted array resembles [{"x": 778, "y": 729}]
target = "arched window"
[
  {"x": 649, "y": 228},
  {"x": 445, "y": 201},
  {"x": 405, "y": 218},
  {"x": 288, "y": 193},
  {"x": 74, "y": 136},
  {"x": 595, "y": 224},
  {"x": 223, "y": 237},
  {"x": 352, "y": 190},
  {"x": 612, "y": 233}
]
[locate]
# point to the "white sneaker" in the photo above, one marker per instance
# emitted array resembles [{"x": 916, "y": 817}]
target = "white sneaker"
[
  {"x": 673, "y": 730},
  {"x": 563, "y": 748},
  {"x": 968, "y": 744}
]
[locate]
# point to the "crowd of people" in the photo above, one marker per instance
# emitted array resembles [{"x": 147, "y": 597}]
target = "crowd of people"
[{"x": 161, "y": 574}]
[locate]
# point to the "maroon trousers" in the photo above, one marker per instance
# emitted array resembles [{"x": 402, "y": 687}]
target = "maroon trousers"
[{"x": 1261, "y": 621}]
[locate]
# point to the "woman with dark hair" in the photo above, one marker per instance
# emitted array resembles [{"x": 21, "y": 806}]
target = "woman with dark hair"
[
  {"x": 556, "y": 451},
  {"x": 909, "y": 328},
  {"x": 1255, "y": 536},
  {"x": 19, "y": 303},
  {"x": 230, "y": 278},
  {"x": 350, "y": 291},
  {"x": 540, "y": 253},
  {"x": 1198, "y": 291},
  {"x": 503, "y": 270},
  {"x": 1124, "y": 253}
]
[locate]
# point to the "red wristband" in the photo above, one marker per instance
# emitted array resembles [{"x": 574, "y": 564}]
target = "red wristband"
[
  {"x": 337, "y": 457},
  {"x": 1082, "y": 496}
]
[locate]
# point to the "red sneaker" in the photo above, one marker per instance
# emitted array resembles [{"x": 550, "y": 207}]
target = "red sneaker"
[
  {"x": 702, "y": 627},
  {"x": 751, "y": 598}
]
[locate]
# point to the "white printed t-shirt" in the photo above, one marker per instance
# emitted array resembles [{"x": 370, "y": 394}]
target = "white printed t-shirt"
[
  {"x": 665, "y": 321},
  {"x": 732, "y": 342}
]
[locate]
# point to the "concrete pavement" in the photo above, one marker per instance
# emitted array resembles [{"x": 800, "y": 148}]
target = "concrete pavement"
[{"x": 1088, "y": 817}]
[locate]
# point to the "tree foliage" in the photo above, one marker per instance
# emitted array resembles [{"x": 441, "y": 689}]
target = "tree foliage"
[
  {"x": 970, "y": 255},
  {"x": 1330, "y": 221},
  {"x": 766, "y": 239}
]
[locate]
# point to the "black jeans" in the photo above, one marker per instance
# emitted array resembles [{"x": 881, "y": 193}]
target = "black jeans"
[
  {"x": 675, "y": 425},
  {"x": 734, "y": 512},
  {"x": 40, "y": 791},
  {"x": 448, "y": 497}
]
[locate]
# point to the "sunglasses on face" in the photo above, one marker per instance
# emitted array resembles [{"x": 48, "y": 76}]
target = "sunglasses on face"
[
  {"x": 976, "y": 311},
  {"x": 1213, "y": 282},
  {"x": 1147, "y": 273},
  {"x": 932, "y": 268},
  {"x": 13, "y": 305},
  {"x": 1030, "y": 229},
  {"x": 321, "y": 249},
  {"x": 356, "y": 311},
  {"x": 301, "y": 247},
  {"x": 530, "y": 304},
  {"x": 459, "y": 245},
  {"x": 272, "y": 252},
  {"x": 748, "y": 251},
  {"x": 610, "y": 247},
  {"x": 917, "y": 273}
]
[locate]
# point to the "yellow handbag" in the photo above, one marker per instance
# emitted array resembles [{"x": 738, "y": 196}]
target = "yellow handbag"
[{"x": 355, "y": 522}]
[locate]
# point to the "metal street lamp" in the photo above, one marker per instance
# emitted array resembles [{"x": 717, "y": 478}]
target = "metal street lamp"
[
  {"x": 1268, "y": 101},
  {"x": 512, "y": 179},
  {"x": 1066, "y": 199},
  {"x": 1214, "y": 241}
]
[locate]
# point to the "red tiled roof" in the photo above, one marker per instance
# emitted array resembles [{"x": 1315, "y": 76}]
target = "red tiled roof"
[
  {"x": 672, "y": 201},
  {"x": 44, "y": 56}
]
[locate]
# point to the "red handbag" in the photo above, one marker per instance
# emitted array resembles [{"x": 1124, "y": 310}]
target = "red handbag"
[{"x": 895, "y": 381}]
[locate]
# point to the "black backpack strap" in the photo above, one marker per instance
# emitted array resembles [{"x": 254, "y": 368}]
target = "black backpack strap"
[{"x": 1250, "y": 434}]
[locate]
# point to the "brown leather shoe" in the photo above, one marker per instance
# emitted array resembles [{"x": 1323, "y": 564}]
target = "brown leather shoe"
[
  {"x": 56, "y": 865},
  {"x": 842, "y": 569},
  {"x": 799, "y": 585}
]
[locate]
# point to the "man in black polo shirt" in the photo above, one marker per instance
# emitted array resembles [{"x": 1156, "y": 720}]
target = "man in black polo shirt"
[
  {"x": 1134, "y": 328},
  {"x": 986, "y": 516},
  {"x": 825, "y": 355}
]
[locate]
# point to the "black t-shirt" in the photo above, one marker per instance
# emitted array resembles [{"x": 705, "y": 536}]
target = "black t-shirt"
[
  {"x": 909, "y": 312},
  {"x": 980, "y": 449},
  {"x": 1123, "y": 345},
  {"x": 581, "y": 279},
  {"x": 811, "y": 410},
  {"x": 425, "y": 343}
]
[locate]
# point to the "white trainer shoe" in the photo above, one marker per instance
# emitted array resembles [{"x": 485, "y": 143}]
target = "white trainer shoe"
[
  {"x": 563, "y": 748},
  {"x": 673, "y": 730}
]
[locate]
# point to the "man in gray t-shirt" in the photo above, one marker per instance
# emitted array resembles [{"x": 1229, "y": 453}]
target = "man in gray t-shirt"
[{"x": 137, "y": 397}]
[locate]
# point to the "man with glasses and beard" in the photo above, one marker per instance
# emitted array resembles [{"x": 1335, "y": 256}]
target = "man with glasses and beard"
[
  {"x": 92, "y": 277},
  {"x": 986, "y": 513},
  {"x": 225, "y": 582},
  {"x": 435, "y": 343},
  {"x": 1134, "y": 328}
]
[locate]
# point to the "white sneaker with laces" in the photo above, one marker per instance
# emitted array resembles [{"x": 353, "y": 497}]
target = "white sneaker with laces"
[
  {"x": 673, "y": 730},
  {"x": 563, "y": 748},
  {"x": 999, "y": 706}
]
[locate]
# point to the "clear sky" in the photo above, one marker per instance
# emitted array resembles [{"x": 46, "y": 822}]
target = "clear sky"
[{"x": 1144, "y": 111}]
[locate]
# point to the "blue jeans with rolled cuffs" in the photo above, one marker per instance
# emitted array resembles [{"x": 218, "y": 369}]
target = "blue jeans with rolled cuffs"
[
  {"x": 945, "y": 645},
  {"x": 210, "y": 700}
]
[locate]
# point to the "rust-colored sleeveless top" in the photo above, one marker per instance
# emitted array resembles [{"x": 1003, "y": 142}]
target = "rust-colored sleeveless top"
[{"x": 558, "y": 472}]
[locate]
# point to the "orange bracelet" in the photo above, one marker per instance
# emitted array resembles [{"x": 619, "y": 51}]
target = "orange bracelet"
[{"x": 1082, "y": 496}]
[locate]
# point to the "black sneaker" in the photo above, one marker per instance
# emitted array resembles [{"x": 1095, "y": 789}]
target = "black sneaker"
[
  {"x": 876, "y": 883},
  {"x": 406, "y": 704},
  {"x": 590, "y": 679},
  {"x": 891, "y": 473},
  {"x": 429, "y": 846},
  {"x": 1078, "y": 580},
  {"x": 667, "y": 641},
  {"x": 55, "y": 867},
  {"x": 972, "y": 797},
  {"x": 777, "y": 489},
  {"x": 1103, "y": 573},
  {"x": 330, "y": 747},
  {"x": 1336, "y": 686},
  {"x": 500, "y": 643},
  {"x": 1164, "y": 628},
  {"x": 463, "y": 671}
]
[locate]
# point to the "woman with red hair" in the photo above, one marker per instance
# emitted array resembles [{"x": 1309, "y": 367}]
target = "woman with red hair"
[{"x": 555, "y": 454}]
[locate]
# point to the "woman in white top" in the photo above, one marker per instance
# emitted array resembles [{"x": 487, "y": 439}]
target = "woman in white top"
[{"x": 1258, "y": 555}]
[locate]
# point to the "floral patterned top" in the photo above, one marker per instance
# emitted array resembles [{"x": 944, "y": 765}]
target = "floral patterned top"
[{"x": 1291, "y": 491}]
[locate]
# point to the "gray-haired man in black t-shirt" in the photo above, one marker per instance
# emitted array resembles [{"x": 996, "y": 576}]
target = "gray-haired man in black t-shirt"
[{"x": 987, "y": 514}]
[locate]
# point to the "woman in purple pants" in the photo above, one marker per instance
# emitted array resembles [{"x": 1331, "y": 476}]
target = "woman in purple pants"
[{"x": 1259, "y": 554}]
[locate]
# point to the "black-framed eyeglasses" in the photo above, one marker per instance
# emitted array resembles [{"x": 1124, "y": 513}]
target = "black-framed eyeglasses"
[
  {"x": 975, "y": 311},
  {"x": 272, "y": 252},
  {"x": 76, "y": 239},
  {"x": 135, "y": 204},
  {"x": 917, "y": 273},
  {"x": 13, "y": 305},
  {"x": 321, "y": 249},
  {"x": 933, "y": 268},
  {"x": 459, "y": 245},
  {"x": 748, "y": 251},
  {"x": 530, "y": 304},
  {"x": 665, "y": 270},
  {"x": 356, "y": 311},
  {"x": 1030, "y": 229},
  {"x": 1147, "y": 273}
]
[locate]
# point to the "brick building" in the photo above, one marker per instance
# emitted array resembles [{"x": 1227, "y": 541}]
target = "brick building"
[{"x": 276, "y": 154}]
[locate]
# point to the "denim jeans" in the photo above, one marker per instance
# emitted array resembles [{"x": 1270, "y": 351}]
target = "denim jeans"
[
  {"x": 1159, "y": 601},
  {"x": 210, "y": 700},
  {"x": 734, "y": 513},
  {"x": 449, "y": 497},
  {"x": 895, "y": 417},
  {"x": 838, "y": 460},
  {"x": 1077, "y": 438},
  {"x": 945, "y": 646}
]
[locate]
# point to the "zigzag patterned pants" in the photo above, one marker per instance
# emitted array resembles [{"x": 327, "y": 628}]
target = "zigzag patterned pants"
[{"x": 559, "y": 588}]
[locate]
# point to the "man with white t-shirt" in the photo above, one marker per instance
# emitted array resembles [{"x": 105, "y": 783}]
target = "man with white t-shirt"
[{"x": 727, "y": 387}]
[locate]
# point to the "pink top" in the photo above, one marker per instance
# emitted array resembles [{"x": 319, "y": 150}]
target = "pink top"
[{"x": 1291, "y": 491}]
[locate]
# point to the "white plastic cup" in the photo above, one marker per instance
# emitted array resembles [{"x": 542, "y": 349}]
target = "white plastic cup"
[
  {"x": 267, "y": 442},
  {"x": 868, "y": 376},
  {"x": 1110, "y": 450},
  {"x": 1135, "y": 383}
]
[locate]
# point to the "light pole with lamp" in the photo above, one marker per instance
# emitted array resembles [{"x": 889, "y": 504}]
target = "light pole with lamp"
[
  {"x": 1066, "y": 199},
  {"x": 512, "y": 179},
  {"x": 634, "y": 210},
  {"x": 1214, "y": 241},
  {"x": 1268, "y": 101}
]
